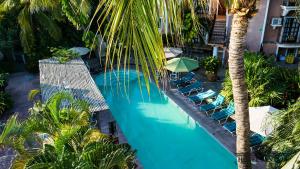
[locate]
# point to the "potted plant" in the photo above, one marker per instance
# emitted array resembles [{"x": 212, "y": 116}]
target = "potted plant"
[
  {"x": 63, "y": 55},
  {"x": 211, "y": 66}
]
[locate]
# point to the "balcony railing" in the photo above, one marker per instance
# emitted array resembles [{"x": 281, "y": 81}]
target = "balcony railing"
[
  {"x": 290, "y": 32},
  {"x": 289, "y": 3}
]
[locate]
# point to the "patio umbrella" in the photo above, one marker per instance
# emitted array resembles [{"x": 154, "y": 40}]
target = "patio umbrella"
[
  {"x": 259, "y": 119},
  {"x": 182, "y": 64},
  {"x": 172, "y": 52},
  {"x": 80, "y": 50}
]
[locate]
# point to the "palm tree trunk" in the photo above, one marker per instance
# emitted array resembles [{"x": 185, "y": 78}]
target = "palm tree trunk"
[{"x": 240, "y": 94}]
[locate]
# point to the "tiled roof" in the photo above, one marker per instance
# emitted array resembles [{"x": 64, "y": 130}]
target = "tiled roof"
[{"x": 72, "y": 76}]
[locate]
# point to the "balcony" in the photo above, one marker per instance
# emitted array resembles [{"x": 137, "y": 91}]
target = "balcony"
[
  {"x": 288, "y": 5},
  {"x": 290, "y": 31}
]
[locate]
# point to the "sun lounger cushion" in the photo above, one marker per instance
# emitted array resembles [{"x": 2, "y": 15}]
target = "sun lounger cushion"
[
  {"x": 192, "y": 87},
  {"x": 202, "y": 96}
]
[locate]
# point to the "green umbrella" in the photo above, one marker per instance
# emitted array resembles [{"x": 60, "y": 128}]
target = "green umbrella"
[{"x": 182, "y": 64}]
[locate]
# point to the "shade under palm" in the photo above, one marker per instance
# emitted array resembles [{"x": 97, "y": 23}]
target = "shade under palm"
[{"x": 182, "y": 64}]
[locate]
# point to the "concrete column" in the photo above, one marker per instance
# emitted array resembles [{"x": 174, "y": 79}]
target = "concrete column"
[{"x": 215, "y": 51}]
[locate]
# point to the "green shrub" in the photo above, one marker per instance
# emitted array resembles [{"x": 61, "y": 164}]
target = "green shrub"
[
  {"x": 210, "y": 64},
  {"x": 5, "y": 102},
  {"x": 3, "y": 81},
  {"x": 267, "y": 84},
  {"x": 63, "y": 55},
  {"x": 284, "y": 141}
]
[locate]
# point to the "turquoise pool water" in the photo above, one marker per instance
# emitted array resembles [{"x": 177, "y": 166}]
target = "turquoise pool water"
[{"x": 164, "y": 136}]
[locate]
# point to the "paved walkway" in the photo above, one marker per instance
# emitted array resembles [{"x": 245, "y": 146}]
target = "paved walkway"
[{"x": 19, "y": 85}]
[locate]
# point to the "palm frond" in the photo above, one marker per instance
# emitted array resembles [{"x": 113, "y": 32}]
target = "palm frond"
[
  {"x": 26, "y": 33},
  {"x": 32, "y": 94},
  {"x": 132, "y": 32},
  {"x": 37, "y": 6},
  {"x": 49, "y": 25}
]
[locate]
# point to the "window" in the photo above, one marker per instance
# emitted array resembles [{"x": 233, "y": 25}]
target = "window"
[
  {"x": 290, "y": 30},
  {"x": 289, "y": 2}
]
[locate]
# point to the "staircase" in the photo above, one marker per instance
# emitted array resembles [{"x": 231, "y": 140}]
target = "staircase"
[{"x": 218, "y": 34}]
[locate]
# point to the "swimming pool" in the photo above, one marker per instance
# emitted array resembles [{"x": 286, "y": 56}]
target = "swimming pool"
[{"x": 164, "y": 136}]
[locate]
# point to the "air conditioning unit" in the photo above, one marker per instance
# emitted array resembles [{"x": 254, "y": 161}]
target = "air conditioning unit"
[{"x": 276, "y": 22}]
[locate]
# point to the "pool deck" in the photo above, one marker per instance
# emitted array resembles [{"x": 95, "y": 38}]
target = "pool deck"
[{"x": 213, "y": 127}]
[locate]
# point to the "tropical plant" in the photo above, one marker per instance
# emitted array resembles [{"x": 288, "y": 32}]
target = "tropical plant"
[
  {"x": 262, "y": 79},
  {"x": 242, "y": 11},
  {"x": 284, "y": 141},
  {"x": 58, "y": 134},
  {"x": 189, "y": 32},
  {"x": 63, "y": 55},
  {"x": 3, "y": 81},
  {"x": 211, "y": 64},
  {"x": 5, "y": 102},
  {"x": 39, "y": 25}
]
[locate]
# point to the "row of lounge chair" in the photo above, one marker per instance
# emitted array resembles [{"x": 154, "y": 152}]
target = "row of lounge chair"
[{"x": 188, "y": 85}]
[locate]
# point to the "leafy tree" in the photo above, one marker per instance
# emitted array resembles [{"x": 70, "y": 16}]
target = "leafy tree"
[
  {"x": 262, "y": 79},
  {"x": 58, "y": 134},
  {"x": 40, "y": 22}
]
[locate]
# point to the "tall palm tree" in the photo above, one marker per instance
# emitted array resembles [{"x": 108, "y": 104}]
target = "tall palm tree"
[
  {"x": 59, "y": 134},
  {"x": 132, "y": 32},
  {"x": 242, "y": 11}
]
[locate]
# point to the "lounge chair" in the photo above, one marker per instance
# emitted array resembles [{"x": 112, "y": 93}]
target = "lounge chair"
[
  {"x": 224, "y": 114},
  {"x": 194, "y": 87},
  {"x": 230, "y": 127},
  {"x": 184, "y": 80},
  {"x": 256, "y": 139},
  {"x": 200, "y": 97},
  {"x": 213, "y": 105}
]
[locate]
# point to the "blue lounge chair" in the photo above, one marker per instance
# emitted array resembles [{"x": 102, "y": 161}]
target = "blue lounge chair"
[
  {"x": 202, "y": 96},
  {"x": 224, "y": 114},
  {"x": 184, "y": 80},
  {"x": 256, "y": 139},
  {"x": 231, "y": 127},
  {"x": 194, "y": 87},
  {"x": 213, "y": 105}
]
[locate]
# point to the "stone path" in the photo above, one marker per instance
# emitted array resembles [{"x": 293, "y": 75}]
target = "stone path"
[{"x": 19, "y": 85}]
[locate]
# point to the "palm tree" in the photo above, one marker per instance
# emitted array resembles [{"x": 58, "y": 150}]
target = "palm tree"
[
  {"x": 130, "y": 28},
  {"x": 242, "y": 11},
  {"x": 131, "y": 32},
  {"x": 37, "y": 15},
  {"x": 59, "y": 134}
]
